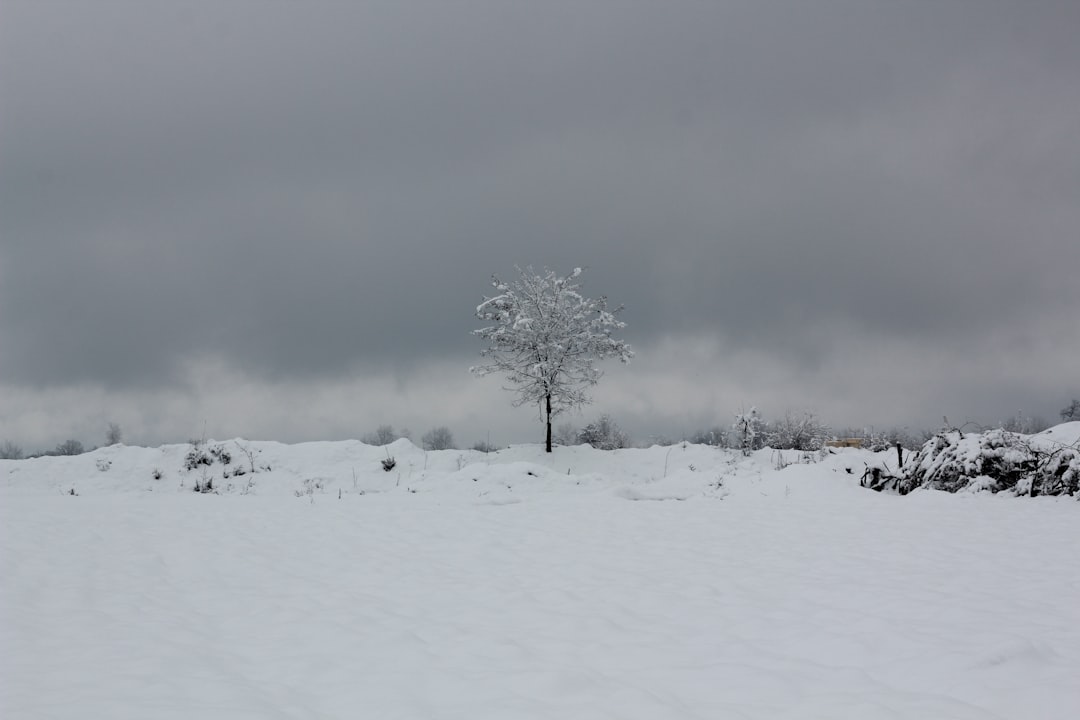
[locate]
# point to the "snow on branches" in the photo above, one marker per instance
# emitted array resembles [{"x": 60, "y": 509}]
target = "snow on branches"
[
  {"x": 996, "y": 460},
  {"x": 748, "y": 428},
  {"x": 546, "y": 338}
]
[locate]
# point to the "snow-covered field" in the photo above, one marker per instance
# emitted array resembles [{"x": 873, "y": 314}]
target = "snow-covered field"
[{"x": 661, "y": 583}]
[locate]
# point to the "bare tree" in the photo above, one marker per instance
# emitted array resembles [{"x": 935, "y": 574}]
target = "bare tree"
[
  {"x": 113, "y": 436},
  {"x": 383, "y": 435},
  {"x": 10, "y": 451},
  {"x": 438, "y": 438},
  {"x": 1072, "y": 412},
  {"x": 546, "y": 338},
  {"x": 69, "y": 447}
]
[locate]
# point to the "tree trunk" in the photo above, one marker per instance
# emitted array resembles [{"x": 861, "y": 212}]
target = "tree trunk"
[{"x": 548, "y": 416}]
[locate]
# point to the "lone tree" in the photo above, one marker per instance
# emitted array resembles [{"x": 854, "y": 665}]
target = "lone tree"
[
  {"x": 546, "y": 337},
  {"x": 113, "y": 435}
]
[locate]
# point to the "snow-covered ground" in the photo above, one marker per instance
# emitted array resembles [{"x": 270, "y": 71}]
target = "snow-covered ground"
[{"x": 661, "y": 583}]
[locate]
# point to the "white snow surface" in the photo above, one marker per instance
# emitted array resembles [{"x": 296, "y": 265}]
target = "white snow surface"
[
  {"x": 1064, "y": 434},
  {"x": 682, "y": 582}
]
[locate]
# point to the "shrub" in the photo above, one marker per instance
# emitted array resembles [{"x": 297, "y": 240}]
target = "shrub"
[
  {"x": 69, "y": 447},
  {"x": 484, "y": 447},
  {"x": 200, "y": 455},
  {"x": 604, "y": 434},
  {"x": 221, "y": 454},
  {"x": 748, "y": 431},
  {"x": 197, "y": 456}
]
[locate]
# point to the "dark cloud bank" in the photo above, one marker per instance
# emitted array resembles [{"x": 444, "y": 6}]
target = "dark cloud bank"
[{"x": 277, "y": 217}]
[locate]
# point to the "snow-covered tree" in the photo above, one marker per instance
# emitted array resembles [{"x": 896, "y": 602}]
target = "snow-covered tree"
[
  {"x": 798, "y": 432},
  {"x": 747, "y": 427},
  {"x": 546, "y": 338}
]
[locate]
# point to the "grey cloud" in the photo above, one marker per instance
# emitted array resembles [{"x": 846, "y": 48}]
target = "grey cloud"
[{"x": 317, "y": 191}]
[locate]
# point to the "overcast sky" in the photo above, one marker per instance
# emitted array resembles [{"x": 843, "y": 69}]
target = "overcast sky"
[{"x": 275, "y": 220}]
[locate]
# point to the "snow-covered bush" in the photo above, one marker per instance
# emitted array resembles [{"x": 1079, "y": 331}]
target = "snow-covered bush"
[
  {"x": 996, "y": 460},
  {"x": 204, "y": 484},
  {"x": 748, "y": 428},
  {"x": 798, "y": 432},
  {"x": 200, "y": 455},
  {"x": 604, "y": 434}
]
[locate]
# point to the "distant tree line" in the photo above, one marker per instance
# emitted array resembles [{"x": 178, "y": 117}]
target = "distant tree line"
[{"x": 749, "y": 431}]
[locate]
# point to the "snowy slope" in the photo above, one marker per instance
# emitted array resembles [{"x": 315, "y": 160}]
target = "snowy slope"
[
  {"x": 660, "y": 583},
  {"x": 1064, "y": 434}
]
